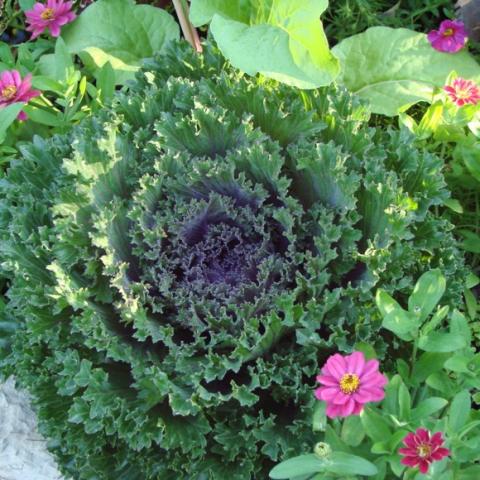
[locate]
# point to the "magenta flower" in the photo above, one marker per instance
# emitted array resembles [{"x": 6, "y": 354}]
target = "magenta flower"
[
  {"x": 14, "y": 90},
  {"x": 463, "y": 91},
  {"x": 450, "y": 37},
  {"x": 422, "y": 450},
  {"x": 52, "y": 16},
  {"x": 348, "y": 382}
]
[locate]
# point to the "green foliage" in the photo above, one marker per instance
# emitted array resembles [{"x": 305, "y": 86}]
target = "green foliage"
[
  {"x": 338, "y": 463},
  {"x": 433, "y": 391},
  {"x": 395, "y": 68},
  {"x": 198, "y": 249},
  {"x": 281, "y": 39},
  {"x": 345, "y": 18},
  {"x": 120, "y": 33}
]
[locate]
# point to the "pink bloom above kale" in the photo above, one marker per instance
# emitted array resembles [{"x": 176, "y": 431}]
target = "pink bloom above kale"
[
  {"x": 450, "y": 37},
  {"x": 422, "y": 449},
  {"x": 463, "y": 91},
  {"x": 14, "y": 90},
  {"x": 52, "y": 16},
  {"x": 348, "y": 382}
]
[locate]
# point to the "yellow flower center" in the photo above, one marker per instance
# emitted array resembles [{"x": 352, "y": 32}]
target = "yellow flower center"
[
  {"x": 424, "y": 450},
  {"x": 47, "y": 14},
  {"x": 9, "y": 92},
  {"x": 448, "y": 32},
  {"x": 349, "y": 383},
  {"x": 463, "y": 93}
]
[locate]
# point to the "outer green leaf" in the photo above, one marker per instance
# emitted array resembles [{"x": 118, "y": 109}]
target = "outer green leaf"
[
  {"x": 281, "y": 39},
  {"x": 427, "y": 293},
  {"x": 395, "y": 68},
  {"x": 119, "y": 32}
]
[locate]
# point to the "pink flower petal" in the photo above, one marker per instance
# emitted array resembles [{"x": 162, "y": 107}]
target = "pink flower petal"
[
  {"x": 355, "y": 363},
  {"x": 327, "y": 380}
]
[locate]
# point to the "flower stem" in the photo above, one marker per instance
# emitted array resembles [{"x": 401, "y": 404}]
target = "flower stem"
[{"x": 189, "y": 31}]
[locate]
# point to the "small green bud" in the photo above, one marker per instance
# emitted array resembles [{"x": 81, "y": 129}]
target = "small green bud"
[{"x": 322, "y": 450}]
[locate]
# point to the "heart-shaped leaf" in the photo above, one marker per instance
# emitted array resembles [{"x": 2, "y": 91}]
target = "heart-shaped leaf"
[
  {"x": 393, "y": 68},
  {"x": 119, "y": 32},
  {"x": 281, "y": 39}
]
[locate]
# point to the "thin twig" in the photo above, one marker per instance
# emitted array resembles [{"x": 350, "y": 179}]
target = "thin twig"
[{"x": 189, "y": 31}]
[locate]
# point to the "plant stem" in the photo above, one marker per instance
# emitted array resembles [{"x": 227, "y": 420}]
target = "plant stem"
[{"x": 189, "y": 31}]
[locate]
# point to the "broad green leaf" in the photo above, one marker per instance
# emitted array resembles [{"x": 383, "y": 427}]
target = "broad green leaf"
[
  {"x": 470, "y": 473},
  {"x": 428, "y": 291},
  {"x": 472, "y": 280},
  {"x": 46, "y": 83},
  {"x": 7, "y": 116},
  {"x": 396, "y": 68},
  {"x": 281, "y": 39},
  {"x": 471, "y": 156},
  {"x": 119, "y": 32},
  {"x": 294, "y": 467},
  {"x": 106, "y": 82},
  {"x": 346, "y": 464},
  {"x": 427, "y": 408},
  {"x": 453, "y": 204},
  {"x": 43, "y": 117},
  {"x": 375, "y": 425},
  {"x": 459, "y": 411},
  {"x": 339, "y": 463},
  {"x": 471, "y": 242},
  {"x": 459, "y": 336},
  {"x": 26, "y": 4},
  {"x": 395, "y": 318},
  {"x": 441, "y": 342},
  {"x": 428, "y": 363},
  {"x": 352, "y": 431}
]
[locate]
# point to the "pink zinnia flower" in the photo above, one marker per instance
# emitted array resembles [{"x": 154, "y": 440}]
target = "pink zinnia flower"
[
  {"x": 463, "y": 91},
  {"x": 14, "y": 90},
  {"x": 52, "y": 16},
  {"x": 422, "y": 450},
  {"x": 348, "y": 382},
  {"x": 450, "y": 37}
]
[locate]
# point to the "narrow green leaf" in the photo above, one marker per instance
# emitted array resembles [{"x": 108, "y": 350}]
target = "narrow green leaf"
[{"x": 404, "y": 402}]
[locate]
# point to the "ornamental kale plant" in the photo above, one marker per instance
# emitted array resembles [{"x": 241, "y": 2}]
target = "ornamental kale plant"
[{"x": 181, "y": 264}]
